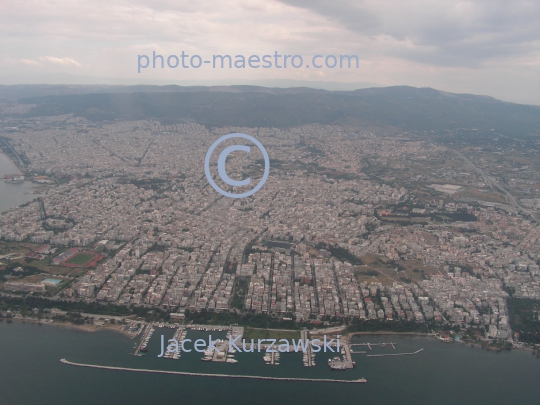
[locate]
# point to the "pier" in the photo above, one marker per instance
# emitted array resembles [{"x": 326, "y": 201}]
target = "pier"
[
  {"x": 143, "y": 339},
  {"x": 253, "y": 377},
  {"x": 342, "y": 364},
  {"x": 347, "y": 356},
  {"x": 394, "y": 354},
  {"x": 220, "y": 354},
  {"x": 374, "y": 344},
  {"x": 308, "y": 355},
  {"x": 179, "y": 336}
]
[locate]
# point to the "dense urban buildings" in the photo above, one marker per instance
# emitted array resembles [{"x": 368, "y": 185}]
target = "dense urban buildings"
[{"x": 350, "y": 223}]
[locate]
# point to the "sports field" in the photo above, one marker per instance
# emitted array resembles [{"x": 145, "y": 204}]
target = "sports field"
[{"x": 81, "y": 258}]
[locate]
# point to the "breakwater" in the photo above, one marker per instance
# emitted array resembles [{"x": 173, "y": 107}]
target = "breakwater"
[{"x": 253, "y": 377}]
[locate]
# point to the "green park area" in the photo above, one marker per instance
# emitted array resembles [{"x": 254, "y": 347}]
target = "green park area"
[{"x": 252, "y": 333}]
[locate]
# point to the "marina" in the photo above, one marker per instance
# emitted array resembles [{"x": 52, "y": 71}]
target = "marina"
[
  {"x": 338, "y": 363},
  {"x": 483, "y": 380},
  {"x": 179, "y": 336},
  {"x": 142, "y": 346},
  {"x": 222, "y": 352},
  {"x": 308, "y": 358},
  {"x": 272, "y": 358},
  {"x": 221, "y": 355}
]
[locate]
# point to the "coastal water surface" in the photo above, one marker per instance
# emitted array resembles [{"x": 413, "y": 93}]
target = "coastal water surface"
[
  {"x": 12, "y": 195},
  {"x": 31, "y": 373}
]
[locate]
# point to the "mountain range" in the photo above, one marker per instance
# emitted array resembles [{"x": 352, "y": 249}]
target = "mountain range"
[{"x": 401, "y": 108}]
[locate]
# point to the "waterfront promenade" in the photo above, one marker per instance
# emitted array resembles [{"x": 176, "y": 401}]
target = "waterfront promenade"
[{"x": 254, "y": 377}]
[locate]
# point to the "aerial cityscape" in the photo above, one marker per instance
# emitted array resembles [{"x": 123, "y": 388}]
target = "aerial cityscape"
[
  {"x": 351, "y": 224},
  {"x": 269, "y": 202}
]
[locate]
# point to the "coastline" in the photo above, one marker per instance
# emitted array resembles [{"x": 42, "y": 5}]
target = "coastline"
[
  {"x": 388, "y": 333},
  {"x": 91, "y": 328},
  {"x": 15, "y": 165},
  {"x": 84, "y": 328},
  {"x": 427, "y": 335},
  {"x": 347, "y": 337},
  {"x": 404, "y": 374}
]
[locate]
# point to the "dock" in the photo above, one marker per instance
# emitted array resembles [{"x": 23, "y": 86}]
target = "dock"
[
  {"x": 220, "y": 355},
  {"x": 374, "y": 344},
  {"x": 394, "y": 354},
  {"x": 307, "y": 357},
  {"x": 179, "y": 336},
  {"x": 143, "y": 339},
  {"x": 342, "y": 364},
  {"x": 347, "y": 356}
]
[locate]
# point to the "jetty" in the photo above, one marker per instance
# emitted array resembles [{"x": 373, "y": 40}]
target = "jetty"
[
  {"x": 253, "y": 377},
  {"x": 144, "y": 340},
  {"x": 394, "y": 354},
  {"x": 374, "y": 344}
]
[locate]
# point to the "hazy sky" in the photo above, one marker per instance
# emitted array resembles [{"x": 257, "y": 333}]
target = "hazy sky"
[{"x": 483, "y": 46}]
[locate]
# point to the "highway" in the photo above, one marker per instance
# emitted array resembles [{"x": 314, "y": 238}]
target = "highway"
[
  {"x": 494, "y": 185},
  {"x": 368, "y": 247}
]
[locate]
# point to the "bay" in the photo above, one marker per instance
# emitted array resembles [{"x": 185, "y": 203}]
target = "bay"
[
  {"x": 12, "y": 195},
  {"x": 31, "y": 373}
]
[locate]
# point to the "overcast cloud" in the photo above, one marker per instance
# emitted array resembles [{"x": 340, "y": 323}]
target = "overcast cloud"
[{"x": 482, "y": 46}]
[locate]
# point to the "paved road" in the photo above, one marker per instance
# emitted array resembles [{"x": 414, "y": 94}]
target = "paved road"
[
  {"x": 95, "y": 316},
  {"x": 366, "y": 249}
]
